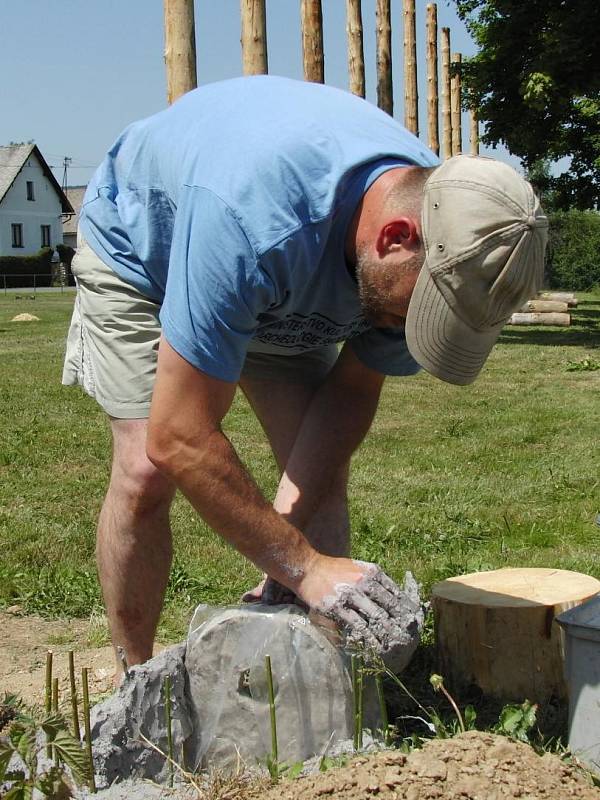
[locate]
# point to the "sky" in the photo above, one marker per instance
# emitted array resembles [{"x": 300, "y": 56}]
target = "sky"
[{"x": 77, "y": 72}]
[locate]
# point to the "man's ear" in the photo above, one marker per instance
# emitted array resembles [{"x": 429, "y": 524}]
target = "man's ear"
[{"x": 399, "y": 233}]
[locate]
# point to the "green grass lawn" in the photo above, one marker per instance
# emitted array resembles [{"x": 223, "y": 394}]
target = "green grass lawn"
[{"x": 450, "y": 480}]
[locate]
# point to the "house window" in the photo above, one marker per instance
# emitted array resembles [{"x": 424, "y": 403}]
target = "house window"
[
  {"x": 45, "y": 235},
  {"x": 17, "y": 234},
  {"x": 30, "y": 193}
]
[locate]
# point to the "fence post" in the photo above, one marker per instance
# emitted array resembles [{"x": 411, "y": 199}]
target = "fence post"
[
  {"x": 356, "y": 57},
  {"x": 254, "y": 37},
  {"x": 455, "y": 101},
  {"x": 474, "y": 132},
  {"x": 312, "y": 41},
  {"x": 411, "y": 95},
  {"x": 385, "y": 99},
  {"x": 433, "y": 125},
  {"x": 180, "y": 48},
  {"x": 446, "y": 108}
]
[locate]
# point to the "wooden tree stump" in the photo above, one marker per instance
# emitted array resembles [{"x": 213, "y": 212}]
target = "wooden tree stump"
[{"x": 496, "y": 630}]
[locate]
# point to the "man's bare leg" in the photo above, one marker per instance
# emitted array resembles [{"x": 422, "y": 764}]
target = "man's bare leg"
[{"x": 134, "y": 542}]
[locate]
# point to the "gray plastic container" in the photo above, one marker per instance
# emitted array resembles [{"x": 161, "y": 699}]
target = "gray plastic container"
[{"x": 582, "y": 670}]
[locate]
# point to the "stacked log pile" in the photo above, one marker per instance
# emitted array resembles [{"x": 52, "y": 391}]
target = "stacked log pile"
[{"x": 549, "y": 308}]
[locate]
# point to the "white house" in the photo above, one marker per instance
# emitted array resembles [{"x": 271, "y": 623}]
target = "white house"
[{"x": 32, "y": 204}]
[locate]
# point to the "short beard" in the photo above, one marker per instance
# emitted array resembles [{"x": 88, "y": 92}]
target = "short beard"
[{"x": 375, "y": 282}]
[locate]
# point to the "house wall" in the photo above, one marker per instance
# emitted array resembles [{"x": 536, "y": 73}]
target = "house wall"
[{"x": 45, "y": 209}]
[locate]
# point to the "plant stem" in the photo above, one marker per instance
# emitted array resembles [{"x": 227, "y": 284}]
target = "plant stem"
[
  {"x": 360, "y": 702},
  {"x": 55, "y": 711},
  {"x": 86, "y": 723},
  {"x": 357, "y": 692},
  {"x": 48, "y": 698},
  {"x": 274, "y": 747},
  {"x": 455, "y": 707},
  {"x": 74, "y": 710},
  {"x": 382, "y": 708},
  {"x": 167, "y": 691}
]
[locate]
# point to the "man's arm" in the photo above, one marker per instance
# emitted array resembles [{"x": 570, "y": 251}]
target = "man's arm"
[
  {"x": 334, "y": 425},
  {"x": 186, "y": 443}
]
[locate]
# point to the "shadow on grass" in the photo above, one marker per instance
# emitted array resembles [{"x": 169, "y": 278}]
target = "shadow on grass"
[{"x": 584, "y": 330}]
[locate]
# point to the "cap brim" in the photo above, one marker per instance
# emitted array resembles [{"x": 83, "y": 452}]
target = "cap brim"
[{"x": 440, "y": 341}]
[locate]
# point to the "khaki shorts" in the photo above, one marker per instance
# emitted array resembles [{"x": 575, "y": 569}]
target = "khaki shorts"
[{"x": 112, "y": 345}]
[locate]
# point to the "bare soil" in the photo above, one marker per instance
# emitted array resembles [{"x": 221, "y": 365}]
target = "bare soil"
[
  {"x": 473, "y": 766},
  {"x": 24, "y": 642}
]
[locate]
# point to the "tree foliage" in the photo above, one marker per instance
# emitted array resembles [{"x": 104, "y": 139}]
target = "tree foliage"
[{"x": 536, "y": 85}]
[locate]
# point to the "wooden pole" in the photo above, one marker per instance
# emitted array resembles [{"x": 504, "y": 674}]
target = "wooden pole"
[
  {"x": 411, "y": 92},
  {"x": 474, "y": 134},
  {"x": 312, "y": 41},
  {"x": 254, "y": 37},
  {"x": 385, "y": 99},
  {"x": 356, "y": 57},
  {"x": 433, "y": 126},
  {"x": 446, "y": 110},
  {"x": 180, "y": 48},
  {"x": 455, "y": 104}
]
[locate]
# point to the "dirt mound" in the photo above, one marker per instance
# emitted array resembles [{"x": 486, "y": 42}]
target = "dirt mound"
[
  {"x": 473, "y": 766},
  {"x": 25, "y": 318}
]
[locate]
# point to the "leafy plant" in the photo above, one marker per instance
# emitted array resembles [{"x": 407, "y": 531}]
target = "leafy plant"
[
  {"x": 585, "y": 365},
  {"x": 517, "y": 721},
  {"x": 24, "y": 739}
]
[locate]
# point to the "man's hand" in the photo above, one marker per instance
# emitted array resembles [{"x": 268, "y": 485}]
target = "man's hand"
[
  {"x": 271, "y": 593},
  {"x": 375, "y": 614}
]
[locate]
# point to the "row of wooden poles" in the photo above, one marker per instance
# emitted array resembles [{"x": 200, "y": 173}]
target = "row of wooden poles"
[{"x": 180, "y": 59}]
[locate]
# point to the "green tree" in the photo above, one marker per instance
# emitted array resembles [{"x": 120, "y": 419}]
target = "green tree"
[{"x": 536, "y": 85}]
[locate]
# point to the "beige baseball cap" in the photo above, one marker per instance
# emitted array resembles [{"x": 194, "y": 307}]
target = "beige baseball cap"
[{"x": 485, "y": 236}]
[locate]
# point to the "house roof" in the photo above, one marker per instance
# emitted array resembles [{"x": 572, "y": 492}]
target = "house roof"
[
  {"x": 75, "y": 195},
  {"x": 12, "y": 160}
]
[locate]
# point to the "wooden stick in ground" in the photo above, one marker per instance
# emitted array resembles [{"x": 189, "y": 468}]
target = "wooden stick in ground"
[
  {"x": 180, "y": 48},
  {"x": 474, "y": 132},
  {"x": 48, "y": 693},
  {"x": 312, "y": 41},
  {"x": 254, "y": 37},
  {"x": 384, "y": 56},
  {"x": 87, "y": 727},
  {"x": 433, "y": 126},
  {"x": 446, "y": 107},
  {"x": 411, "y": 96},
  {"x": 271, "y": 691},
  {"x": 456, "y": 104},
  {"x": 356, "y": 57},
  {"x": 167, "y": 692},
  {"x": 55, "y": 711},
  {"x": 73, "y": 686}
]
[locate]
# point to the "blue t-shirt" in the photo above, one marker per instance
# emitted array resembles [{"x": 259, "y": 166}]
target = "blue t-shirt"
[{"x": 231, "y": 208}]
